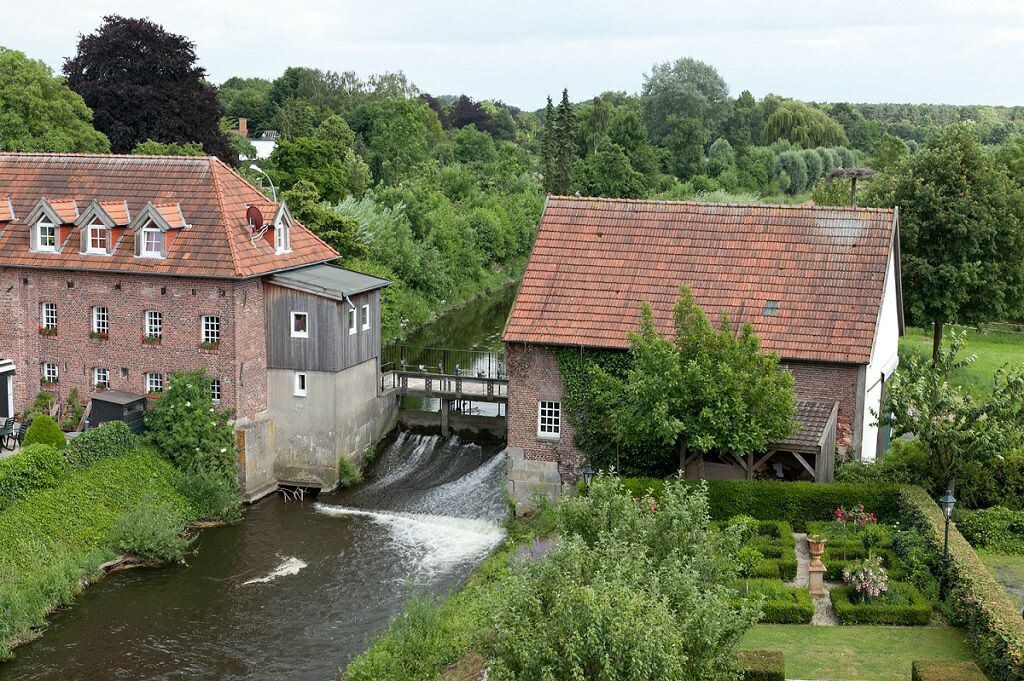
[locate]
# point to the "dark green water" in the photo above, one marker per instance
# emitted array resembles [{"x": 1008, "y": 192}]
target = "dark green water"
[{"x": 298, "y": 588}]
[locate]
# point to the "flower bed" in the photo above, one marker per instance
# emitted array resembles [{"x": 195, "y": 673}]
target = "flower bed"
[
  {"x": 902, "y": 604},
  {"x": 774, "y": 541},
  {"x": 781, "y": 604}
]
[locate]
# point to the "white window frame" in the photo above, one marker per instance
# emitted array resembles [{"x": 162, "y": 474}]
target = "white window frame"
[
  {"x": 366, "y": 317},
  {"x": 100, "y": 376},
  {"x": 51, "y": 372},
  {"x": 100, "y": 319},
  {"x": 144, "y": 250},
  {"x": 154, "y": 383},
  {"x": 53, "y": 233},
  {"x": 352, "y": 324},
  {"x": 282, "y": 242},
  {"x": 304, "y": 333},
  {"x": 549, "y": 419},
  {"x": 97, "y": 228},
  {"x": 48, "y": 315},
  {"x": 210, "y": 330},
  {"x": 216, "y": 390},
  {"x": 300, "y": 384},
  {"x": 154, "y": 324}
]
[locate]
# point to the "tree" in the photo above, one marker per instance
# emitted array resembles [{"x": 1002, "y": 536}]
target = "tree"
[
  {"x": 721, "y": 157},
  {"x": 955, "y": 426},
  {"x": 143, "y": 83},
  {"x": 335, "y": 170},
  {"x": 39, "y": 113},
  {"x": 686, "y": 89},
  {"x": 794, "y": 166},
  {"x": 685, "y": 141},
  {"x": 547, "y": 147},
  {"x": 706, "y": 390},
  {"x": 169, "y": 149},
  {"x": 889, "y": 152},
  {"x": 247, "y": 98},
  {"x": 467, "y": 112},
  {"x": 962, "y": 233},
  {"x": 804, "y": 125},
  {"x": 44, "y": 430},
  {"x": 563, "y": 147},
  {"x": 607, "y": 172},
  {"x": 398, "y": 134},
  {"x": 339, "y": 231}
]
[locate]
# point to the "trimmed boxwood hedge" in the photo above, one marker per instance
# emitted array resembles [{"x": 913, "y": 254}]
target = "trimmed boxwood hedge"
[
  {"x": 835, "y": 564},
  {"x": 945, "y": 670},
  {"x": 782, "y": 604},
  {"x": 761, "y": 665},
  {"x": 917, "y": 612},
  {"x": 976, "y": 601}
]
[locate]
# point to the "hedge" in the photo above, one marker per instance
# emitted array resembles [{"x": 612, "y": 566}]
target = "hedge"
[
  {"x": 835, "y": 564},
  {"x": 31, "y": 468},
  {"x": 782, "y": 604},
  {"x": 53, "y": 540},
  {"x": 111, "y": 439},
  {"x": 945, "y": 670},
  {"x": 795, "y": 502},
  {"x": 997, "y": 529},
  {"x": 877, "y": 611},
  {"x": 976, "y": 602},
  {"x": 761, "y": 665}
]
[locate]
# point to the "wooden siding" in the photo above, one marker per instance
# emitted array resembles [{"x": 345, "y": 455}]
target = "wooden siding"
[{"x": 329, "y": 347}]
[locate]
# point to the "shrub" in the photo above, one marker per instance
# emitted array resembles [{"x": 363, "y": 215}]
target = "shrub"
[
  {"x": 44, "y": 430},
  {"x": 868, "y": 580},
  {"x": 780, "y": 604},
  {"x": 976, "y": 601},
  {"x": 996, "y": 529},
  {"x": 110, "y": 439},
  {"x": 213, "y": 496},
  {"x": 901, "y": 604},
  {"x": 33, "y": 467},
  {"x": 151, "y": 530},
  {"x": 945, "y": 670},
  {"x": 760, "y": 665},
  {"x": 349, "y": 473}
]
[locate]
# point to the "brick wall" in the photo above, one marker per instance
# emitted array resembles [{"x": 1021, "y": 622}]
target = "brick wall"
[
  {"x": 239, "y": 362},
  {"x": 829, "y": 383}
]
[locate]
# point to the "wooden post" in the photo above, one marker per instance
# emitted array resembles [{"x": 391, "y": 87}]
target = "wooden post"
[
  {"x": 750, "y": 466},
  {"x": 445, "y": 409}
]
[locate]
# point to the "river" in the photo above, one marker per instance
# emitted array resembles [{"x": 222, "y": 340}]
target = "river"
[{"x": 297, "y": 589}]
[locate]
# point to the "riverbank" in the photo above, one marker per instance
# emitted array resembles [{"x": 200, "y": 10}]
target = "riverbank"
[{"x": 55, "y": 542}]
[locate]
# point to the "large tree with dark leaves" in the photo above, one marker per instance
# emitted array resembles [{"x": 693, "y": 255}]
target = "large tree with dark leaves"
[{"x": 142, "y": 82}]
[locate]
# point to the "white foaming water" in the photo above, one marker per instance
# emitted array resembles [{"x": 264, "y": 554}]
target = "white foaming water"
[
  {"x": 290, "y": 566},
  {"x": 469, "y": 496},
  {"x": 434, "y": 542},
  {"x": 407, "y": 465}
]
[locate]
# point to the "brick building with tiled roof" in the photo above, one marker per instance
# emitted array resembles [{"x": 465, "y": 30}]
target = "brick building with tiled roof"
[
  {"x": 820, "y": 285},
  {"x": 118, "y": 270}
]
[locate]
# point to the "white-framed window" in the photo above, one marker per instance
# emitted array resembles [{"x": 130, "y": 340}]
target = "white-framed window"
[
  {"x": 282, "y": 243},
  {"x": 97, "y": 238},
  {"x": 300, "y": 325},
  {"x": 101, "y": 377},
  {"x": 211, "y": 329},
  {"x": 215, "y": 391},
  {"x": 154, "y": 324},
  {"x": 46, "y": 236},
  {"x": 154, "y": 383},
  {"x": 549, "y": 418},
  {"x": 50, "y": 373},
  {"x": 152, "y": 245},
  {"x": 365, "y": 314},
  {"x": 300, "y": 386},
  {"x": 352, "y": 328},
  {"x": 48, "y": 316},
  {"x": 100, "y": 320}
]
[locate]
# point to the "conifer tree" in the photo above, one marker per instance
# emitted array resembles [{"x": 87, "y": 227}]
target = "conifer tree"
[
  {"x": 565, "y": 146},
  {"x": 547, "y": 147}
]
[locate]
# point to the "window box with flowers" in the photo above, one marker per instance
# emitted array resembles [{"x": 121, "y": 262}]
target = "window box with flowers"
[
  {"x": 47, "y": 330},
  {"x": 148, "y": 339},
  {"x": 100, "y": 387},
  {"x": 210, "y": 345},
  {"x": 48, "y": 381},
  {"x": 99, "y": 335}
]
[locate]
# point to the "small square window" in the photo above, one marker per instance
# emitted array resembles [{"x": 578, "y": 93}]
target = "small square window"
[
  {"x": 365, "y": 314},
  {"x": 549, "y": 419},
  {"x": 101, "y": 378},
  {"x": 300, "y": 325},
  {"x": 300, "y": 384},
  {"x": 215, "y": 391},
  {"x": 46, "y": 236},
  {"x": 152, "y": 243},
  {"x": 352, "y": 321},
  {"x": 154, "y": 383},
  {"x": 97, "y": 238}
]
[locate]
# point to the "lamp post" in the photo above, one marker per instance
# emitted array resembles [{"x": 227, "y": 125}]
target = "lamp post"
[
  {"x": 588, "y": 475},
  {"x": 947, "y": 503},
  {"x": 256, "y": 169}
]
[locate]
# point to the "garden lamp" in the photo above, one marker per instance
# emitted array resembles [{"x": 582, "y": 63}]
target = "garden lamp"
[
  {"x": 946, "y": 503},
  {"x": 588, "y": 475}
]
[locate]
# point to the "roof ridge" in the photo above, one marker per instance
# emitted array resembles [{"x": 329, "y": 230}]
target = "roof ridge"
[
  {"x": 605, "y": 199},
  {"x": 55, "y": 154}
]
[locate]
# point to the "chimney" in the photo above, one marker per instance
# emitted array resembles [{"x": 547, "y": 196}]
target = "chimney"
[{"x": 243, "y": 127}]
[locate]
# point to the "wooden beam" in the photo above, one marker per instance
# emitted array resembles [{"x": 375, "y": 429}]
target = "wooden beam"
[
  {"x": 750, "y": 465},
  {"x": 806, "y": 465},
  {"x": 764, "y": 458},
  {"x": 741, "y": 462}
]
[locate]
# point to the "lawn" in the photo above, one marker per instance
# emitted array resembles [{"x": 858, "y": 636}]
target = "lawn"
[
  {"x": 993, "y": 348},
  {"x": 861, "y": 653},
  {"x": 1008, "y": 571}
]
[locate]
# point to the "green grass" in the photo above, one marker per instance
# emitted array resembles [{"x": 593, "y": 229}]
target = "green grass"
[
  {"x": 863, "y": 653},
  {"x": 1008, "y": 571},
  {"x": 994, "y": 349}
]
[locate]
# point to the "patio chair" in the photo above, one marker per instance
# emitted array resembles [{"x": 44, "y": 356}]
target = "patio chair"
[
  {"x": 15, "y": 438},
  {"x": 6, "y": 430}
]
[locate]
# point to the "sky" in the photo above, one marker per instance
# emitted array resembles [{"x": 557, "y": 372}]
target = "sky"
[{"x": 943, "y": 51}]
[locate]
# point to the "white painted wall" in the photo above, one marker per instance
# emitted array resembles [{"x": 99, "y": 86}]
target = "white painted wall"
[{"x": 884, "y": 359}]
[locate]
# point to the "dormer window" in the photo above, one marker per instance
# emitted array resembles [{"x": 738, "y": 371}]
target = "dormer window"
[
  {"x": 281, "y": 239},
  {"x": 152, "y": 242},
  {"x": 155, "y": 228},
  {"x": 49, "y": 224},
  {"x": 46, "y": 236},
  {"x": 282, "y": 229},
  {"x": 97, "y": 238}
]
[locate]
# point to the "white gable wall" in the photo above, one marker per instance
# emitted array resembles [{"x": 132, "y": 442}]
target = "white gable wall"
[{"x": 884, "y": 359}]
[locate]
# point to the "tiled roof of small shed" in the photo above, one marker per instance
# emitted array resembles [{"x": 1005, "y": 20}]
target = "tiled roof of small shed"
[
  {"x": 212, "y": 199},
  {"x": 812, "y": 418},
  {"x": 595, "y": 261}
]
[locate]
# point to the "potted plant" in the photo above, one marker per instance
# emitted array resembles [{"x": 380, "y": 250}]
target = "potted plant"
[
  {"x": 47, "y": 331},
  {"x": 816, "y": 545},
  {"x": 148, "y": 339},
  {"x": 99, "y": 335},
  {"x": 100, "y": 387},
  {"x": 209, "y": 345}
]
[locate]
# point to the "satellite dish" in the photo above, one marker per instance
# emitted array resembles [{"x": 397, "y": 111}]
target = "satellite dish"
[{"x": 255, "y": 217}]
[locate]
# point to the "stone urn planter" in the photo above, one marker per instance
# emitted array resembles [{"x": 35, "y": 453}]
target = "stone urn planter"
[{"x": 816, "y": 569}]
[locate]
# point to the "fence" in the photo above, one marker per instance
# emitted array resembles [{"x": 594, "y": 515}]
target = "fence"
[{"x": 474, "y": 363}]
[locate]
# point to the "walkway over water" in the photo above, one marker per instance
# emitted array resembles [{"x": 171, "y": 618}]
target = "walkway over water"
[{"x": 446, "y": 386}]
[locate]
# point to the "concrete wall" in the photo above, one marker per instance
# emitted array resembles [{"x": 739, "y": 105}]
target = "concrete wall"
[
  {"x": 341, "y": 416},
  {"x": 473, "y": 426}
]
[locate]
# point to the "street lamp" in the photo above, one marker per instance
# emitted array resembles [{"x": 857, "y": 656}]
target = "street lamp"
[
  {"x": 947, "y": 503},
  {"x": 588, "y": 475},
  {"x": 256, "y": 169}
]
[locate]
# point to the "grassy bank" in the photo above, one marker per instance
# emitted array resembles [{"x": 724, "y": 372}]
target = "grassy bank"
[
  {"x": 54, "y": 540},
  {"x": 993, "y": 348}
]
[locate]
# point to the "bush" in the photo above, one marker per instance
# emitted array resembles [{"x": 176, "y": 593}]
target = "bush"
[
  {"x": 110, "y": 439},
  {"x": 996, "y": 529},
  {"x": 945, "y": 670},
  {"x": 760, "y": 665},
  {"x": 976, "y": 601},
  {"x": 33, "y": 467},
  {"x": 780, "y": 604},
  {"x": 212, "y": 495},
  {"x": 44, "y": 430},
  {"x": 902, "y": 604},
  {"x": 349, "y": 473},
  {"x": 151, "y": 530}
]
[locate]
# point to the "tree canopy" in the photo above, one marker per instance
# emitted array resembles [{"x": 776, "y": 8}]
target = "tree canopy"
[
  {"x": 685, "y": 89},
  {"x": 39, "y": 113},
  {"x": 803, "y": 125}
]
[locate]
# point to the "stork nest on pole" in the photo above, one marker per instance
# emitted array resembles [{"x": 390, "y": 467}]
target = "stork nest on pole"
[{"x": 851, "y": 173}]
